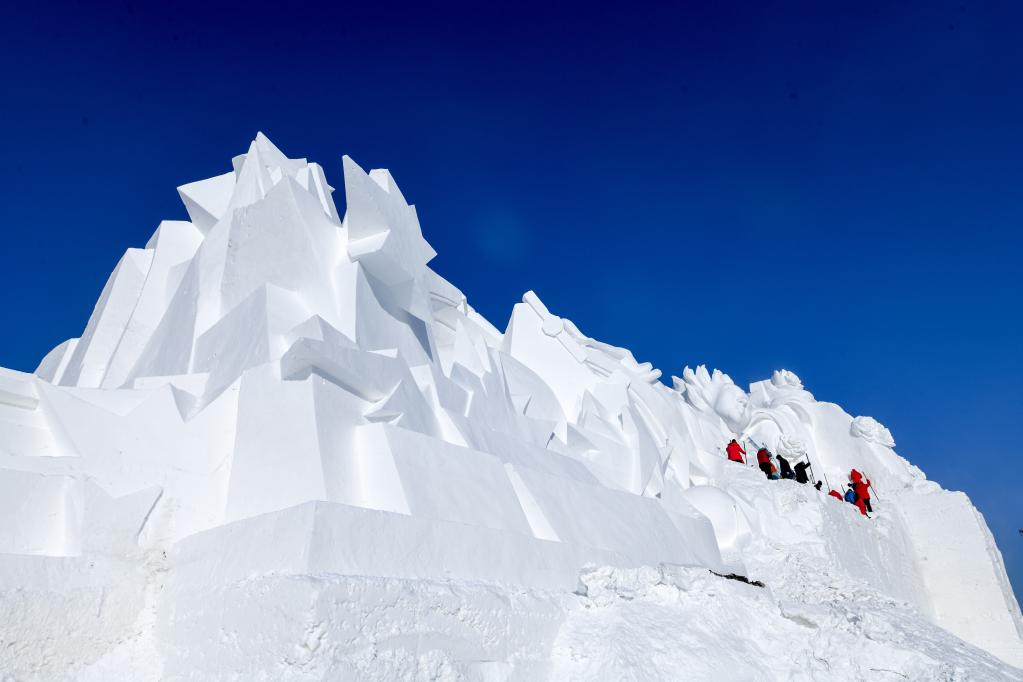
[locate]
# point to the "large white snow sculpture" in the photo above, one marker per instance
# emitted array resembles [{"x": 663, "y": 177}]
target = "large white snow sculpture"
[{"x": 268, "y": 390}]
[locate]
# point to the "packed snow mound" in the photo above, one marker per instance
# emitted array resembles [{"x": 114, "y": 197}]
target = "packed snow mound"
[
  {"x": 679, "y": 623},
  {"x": 285, "y": 448},
  {"x": 870, "y": 429}
]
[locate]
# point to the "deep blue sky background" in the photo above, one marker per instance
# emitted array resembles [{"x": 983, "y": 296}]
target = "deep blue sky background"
[{"x": 834, "y": 191}]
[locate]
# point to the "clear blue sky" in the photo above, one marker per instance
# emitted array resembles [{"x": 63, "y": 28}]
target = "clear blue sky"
[{"x": 834, "y": 191}]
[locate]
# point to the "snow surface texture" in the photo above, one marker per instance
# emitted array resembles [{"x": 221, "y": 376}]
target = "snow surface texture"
[{"x": 285, "y": 449}]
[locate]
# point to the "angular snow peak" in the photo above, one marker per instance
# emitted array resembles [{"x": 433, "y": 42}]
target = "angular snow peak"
[
  {"x": 207, "y": 200},
  {"x": 384, "y": 237},
  {"x": 268, "y": 392}
]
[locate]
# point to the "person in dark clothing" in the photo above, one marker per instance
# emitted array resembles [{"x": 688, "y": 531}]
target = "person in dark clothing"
[
  {"x": 785, "y": 467},
  {"x": 764, "y": 461},
  {"x": 801, "y": 476}
]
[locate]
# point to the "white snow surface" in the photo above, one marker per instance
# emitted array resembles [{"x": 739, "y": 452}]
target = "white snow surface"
[{"x": 284, "y": 448}]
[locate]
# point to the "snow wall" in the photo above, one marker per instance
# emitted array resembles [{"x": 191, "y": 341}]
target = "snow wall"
[{"x": 281, "y": 427}]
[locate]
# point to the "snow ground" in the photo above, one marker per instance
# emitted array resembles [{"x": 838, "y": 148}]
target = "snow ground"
[
  {"x": 686, "y": 624},
  {"x": 812, "y": 620}
]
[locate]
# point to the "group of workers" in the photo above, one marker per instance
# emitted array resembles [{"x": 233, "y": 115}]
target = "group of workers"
[{"x": 858, "y": 492}]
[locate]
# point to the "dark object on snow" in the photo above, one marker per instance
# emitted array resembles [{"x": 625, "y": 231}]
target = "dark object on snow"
[
  {"x": 740, "y": 578},
  {"x": 818, "y": 486},
  {"x": 801, "y": 476}
]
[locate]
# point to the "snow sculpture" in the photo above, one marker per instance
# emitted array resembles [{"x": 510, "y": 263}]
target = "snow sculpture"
[
  {"x": 783, "y": 378},
  {"x": 872, "y": 430},
  {"x": 790, "y": 446},
  {"x": 715, "y": 393},
  {"x": 270, "y": 391},
  {"x": 613, "y": 406},
  {"x": 781, "y": 414},
  {"x": 290, "y": 357}
]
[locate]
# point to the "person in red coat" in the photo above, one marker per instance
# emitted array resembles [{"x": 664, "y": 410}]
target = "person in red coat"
[
  {"x": 863, "y": 493},
  {"x": 855, "y": 476},
  {"x": 852, "y": 498},
  {"x": 764, "y": 461},
  {"x": 735, "y": 452}
]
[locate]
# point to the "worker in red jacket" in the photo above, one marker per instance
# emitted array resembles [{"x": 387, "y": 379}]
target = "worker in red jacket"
[
  {"x": 764, "y": 461},
  {"x": 863, "y": 493},
  {"x": 855, "y": 476},
  {"x": 735, "y": 452},
  {"x": 852, "y": 498}
]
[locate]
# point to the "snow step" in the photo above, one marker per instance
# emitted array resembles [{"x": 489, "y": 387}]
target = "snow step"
[
  {"x": 17, "y": 390},
  {"x": 28, "y": 440},
  {"x": 24, "y": 429}
]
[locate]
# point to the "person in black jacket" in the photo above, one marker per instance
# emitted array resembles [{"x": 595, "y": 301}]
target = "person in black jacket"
[
  {"x": 801, "y": 476},
  {"x": 784, "y": 468}
]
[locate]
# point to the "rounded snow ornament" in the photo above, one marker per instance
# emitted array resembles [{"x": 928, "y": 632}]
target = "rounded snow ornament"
[
  {"x": 790, "y": 446},
  {"x": 783, "y": 378},
  {"x": 871, "y": 430}
]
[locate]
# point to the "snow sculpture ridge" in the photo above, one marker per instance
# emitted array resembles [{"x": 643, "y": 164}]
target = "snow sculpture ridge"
[{"x": 271, "y": 390}]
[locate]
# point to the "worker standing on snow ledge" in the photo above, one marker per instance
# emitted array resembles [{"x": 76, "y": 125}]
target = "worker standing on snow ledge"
[
  {"x": 786, "y": 468},
  {"x": 764, "y": 461},
  {"x": 863, "y": 493},
  {"x": 801, "y": 476},
  {"x": 735, "y": 452}
]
